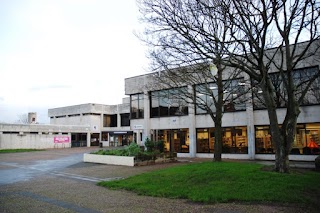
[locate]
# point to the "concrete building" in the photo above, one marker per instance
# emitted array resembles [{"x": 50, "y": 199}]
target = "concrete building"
[
  {"x": 108, "y": 124},
  {"x": 190, "y": 132},
  {"x": 82, "y": 125},
  {"x": 36, "y": 136},
  {"x": 184, "y": 128}
]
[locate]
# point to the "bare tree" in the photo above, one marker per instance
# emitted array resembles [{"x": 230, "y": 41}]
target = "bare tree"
[
  {"x": 267, "y": 37},
  {"x": 258, "y": 37},
  {"x": 179, "y": 34}
]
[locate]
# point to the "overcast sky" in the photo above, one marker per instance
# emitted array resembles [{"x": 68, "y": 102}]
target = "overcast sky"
[{"x": 55, "y": 53}]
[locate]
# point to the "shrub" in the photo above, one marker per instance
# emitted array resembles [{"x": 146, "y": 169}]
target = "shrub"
[
  {"x": 150, "y": 145},
  {"x": 133, "y": 149},
  {"x": 160, "y": 146},
  {"x": 154, "y": 145},
  {"x": 153, "y": 150}
]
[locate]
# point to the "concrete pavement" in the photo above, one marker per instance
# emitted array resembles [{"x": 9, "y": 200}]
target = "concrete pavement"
[{"x": 58, "y": 181}]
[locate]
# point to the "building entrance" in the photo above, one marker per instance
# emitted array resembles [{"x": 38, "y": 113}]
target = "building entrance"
[{"x": 78, "y": 139}]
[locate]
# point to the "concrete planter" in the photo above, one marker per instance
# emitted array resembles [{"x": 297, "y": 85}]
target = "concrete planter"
[{"x": 109, "y": 159}]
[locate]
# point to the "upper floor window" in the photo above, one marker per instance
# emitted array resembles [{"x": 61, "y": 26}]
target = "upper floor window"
[
  {"x": 110, "y": 120},
  {"x": 125, "y": 119},
  {"x": 233, "y": 96},
  {"x": 136, "y": 106},
  {"x": 169, "y": 102},
  {"x": 301, "y": 78}
]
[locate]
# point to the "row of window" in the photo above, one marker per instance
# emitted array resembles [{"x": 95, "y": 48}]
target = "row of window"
[
  {"x": 235, "y": 140},
  {"x": 168, "y": 103},
  {"x": 34, "y": 133},
  {"x": 172, "y": 102},
  {"x": 108, "y": 120},
  {"x": 112, "y": 120},
  {"x": 301, "y": 79}
]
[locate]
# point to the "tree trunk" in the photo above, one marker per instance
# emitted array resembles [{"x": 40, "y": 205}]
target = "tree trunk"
[
  {"x": 218, "y": 140},
  {"x": 218, "y": 117},
  {"x": 281, "y": 153},
  {"x": 288, "y": 132},
  {"x": 282, "y": 137}
]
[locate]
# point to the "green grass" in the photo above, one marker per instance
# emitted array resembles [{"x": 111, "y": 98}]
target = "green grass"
[
  {"x": 19, "y": 150},
  {"x": 213, "y": 182}
]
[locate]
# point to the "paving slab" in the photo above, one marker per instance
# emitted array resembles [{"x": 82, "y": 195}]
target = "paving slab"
[{"x": 58, "y": 181}]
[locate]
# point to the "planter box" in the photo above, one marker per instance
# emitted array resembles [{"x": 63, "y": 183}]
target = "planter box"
[{"x": 109, "y": 159}]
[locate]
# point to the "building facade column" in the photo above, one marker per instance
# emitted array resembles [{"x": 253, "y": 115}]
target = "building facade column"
[
  {"x": 250, "y": 121},
  {"x": 146, "y": 117},
  {"x": 88, "y": 139},
  {"x": 250, "y": 133},
  {"x": 192, "y": 127},
  {"x": 101, "y": 126},
  {"x": 118, "y": 117}
]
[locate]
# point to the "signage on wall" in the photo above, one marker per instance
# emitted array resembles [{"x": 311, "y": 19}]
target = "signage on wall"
[
  {"x": 136, "y": 127},
  {"x": 61, "y": 139}
]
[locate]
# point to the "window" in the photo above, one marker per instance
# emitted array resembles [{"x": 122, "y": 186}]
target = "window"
[
  {"x": 74, "y": 115},
  {"x": 204, "y": 97},
  {"x": 110, "y": 120},
  {"x": 104, "y": 136},
  {"x": 203, "y": 141},
  {"x": 87, "y": 114},
  {"x": 306, "y": 140},
  {"x": 125, "y": 119},
  {"x": 137, "y": 106},
  {"x": 234, "y": 140},
  {"x": 233, "y": 96},
  {"x": 301, "y": 78},
  {"x": 169, "y": 102},
  {"x": 175, "y": 140},
  {"x": 155, "y": 106},
  {"x": 263, "y": 140}
]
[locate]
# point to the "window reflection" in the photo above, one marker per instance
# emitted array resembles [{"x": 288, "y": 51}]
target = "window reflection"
[{"x": 170, "y": 102}]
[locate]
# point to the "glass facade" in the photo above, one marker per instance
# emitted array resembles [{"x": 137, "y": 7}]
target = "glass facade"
[
  {"x": 306, "y": 140},
  {"x": 234, "y": 140},
  {"x": 301, "y": 78},
  {"x": 233, "y": 96},
  {"x": 263, "y": 140},
  {"x": 170, "y": 102},
  {"x": 110, "y": 120},
  {"x": 125, "y": 119},
  {"x": 137, "y": 106},
  {"x": 175, "y": 140}
]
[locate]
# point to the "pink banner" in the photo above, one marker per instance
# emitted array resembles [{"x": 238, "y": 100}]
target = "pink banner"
[{"x": 61, "y": 139}]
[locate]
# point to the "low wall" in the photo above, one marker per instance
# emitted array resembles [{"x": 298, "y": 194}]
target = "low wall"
[
  {"x": 271, "y": 157},
  {"x": 291, "y": 157},
  {"x": 32, "y": 141},
  {"x": 109, "y": 159}
]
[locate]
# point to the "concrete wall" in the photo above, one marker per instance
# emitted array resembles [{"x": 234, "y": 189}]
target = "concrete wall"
[
  {"x": 34, "y": 136},
  {"x": 87, "y": 114},
  {"x": 31, "y": 141},
  {"x": 43, "y": 128},
  {"x": 308, "y": 114}
]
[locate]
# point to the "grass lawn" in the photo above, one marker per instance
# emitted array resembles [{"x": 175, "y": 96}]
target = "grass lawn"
[
  {"x": 213, "y": 182},
  {"x": 19, "y": 150}
]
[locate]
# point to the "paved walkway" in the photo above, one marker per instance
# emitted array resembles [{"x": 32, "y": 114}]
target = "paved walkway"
[{"x": 58, "y": 181}]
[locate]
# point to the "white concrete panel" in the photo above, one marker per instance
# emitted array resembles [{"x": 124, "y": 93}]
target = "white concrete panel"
[{"x": 109, "y": 159}]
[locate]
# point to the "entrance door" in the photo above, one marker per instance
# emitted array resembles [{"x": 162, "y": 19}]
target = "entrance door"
[{"x": 177, "y": 140}]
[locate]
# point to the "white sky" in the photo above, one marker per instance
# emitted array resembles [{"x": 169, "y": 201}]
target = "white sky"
[{"x": 56, "y": 53}]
